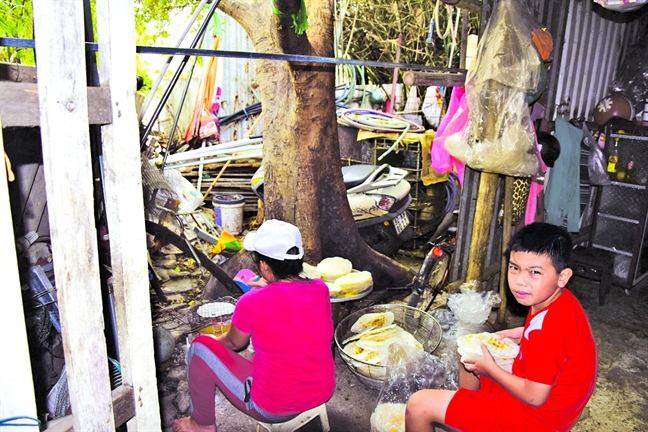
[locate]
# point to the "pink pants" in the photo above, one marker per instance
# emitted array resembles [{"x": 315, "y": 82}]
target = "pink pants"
[{"x": 212, "y": 365}]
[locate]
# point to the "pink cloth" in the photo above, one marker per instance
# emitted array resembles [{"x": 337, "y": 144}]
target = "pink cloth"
[
  {"x": 292, "y": 331},
  {"x": 454, "y": 121}
]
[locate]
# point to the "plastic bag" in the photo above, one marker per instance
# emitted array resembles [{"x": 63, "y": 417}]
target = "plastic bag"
[
  {"x": 431, "y": 108},
  {"x": 472, "y": 306},
  {"x": 190, "y": 198},
  {"x": 631, "y": 80},
  {"x": 408, "y": 371},
  {"x": 596, "y": 159},
  {"x": 499, "y": 137}
]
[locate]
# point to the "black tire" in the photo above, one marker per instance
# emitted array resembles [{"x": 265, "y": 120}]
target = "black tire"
[
  {"x": 435, "y": 282},
  {"x": 382, "y": 238}
]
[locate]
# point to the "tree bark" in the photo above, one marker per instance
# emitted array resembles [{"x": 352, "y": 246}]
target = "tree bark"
[{"x": 301, "y": 155}]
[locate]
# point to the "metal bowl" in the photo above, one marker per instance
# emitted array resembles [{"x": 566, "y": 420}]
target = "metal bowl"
[{"x": 423, "y": 326}]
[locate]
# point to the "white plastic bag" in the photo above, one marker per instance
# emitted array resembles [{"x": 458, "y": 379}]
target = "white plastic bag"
[{"x": 190, "y": 198}]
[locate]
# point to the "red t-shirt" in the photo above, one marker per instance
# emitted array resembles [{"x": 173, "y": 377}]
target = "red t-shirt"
[
  {"x": 292, "y": 329},
  {"x": 558, "y": 349}
]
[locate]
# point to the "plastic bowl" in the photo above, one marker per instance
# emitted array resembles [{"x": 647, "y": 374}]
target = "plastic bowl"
[{"x": 423, "y": 326}]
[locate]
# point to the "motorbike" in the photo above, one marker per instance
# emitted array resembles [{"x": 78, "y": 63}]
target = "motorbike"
[{"x": 379, "y": 196}]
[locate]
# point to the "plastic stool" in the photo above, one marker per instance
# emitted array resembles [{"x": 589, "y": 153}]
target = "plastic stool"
[{"x": 299, "y": 421}]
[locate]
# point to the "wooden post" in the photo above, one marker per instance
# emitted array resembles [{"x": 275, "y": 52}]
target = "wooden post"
[
  {"x": 507, "y": 221},
  {"x": 16, "y": 382},
  {"x": 63, "y": 103},
  {"x": 125, "y": 212},
  {"x": 481, "y": 225}
]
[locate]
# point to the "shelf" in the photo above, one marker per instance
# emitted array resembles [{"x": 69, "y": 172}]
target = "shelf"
[
  {"x": 619, "y": 218},
  {"x": 628, "y": 185}
]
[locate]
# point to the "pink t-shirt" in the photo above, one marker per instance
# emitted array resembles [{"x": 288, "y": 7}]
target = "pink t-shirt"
[{"x": 292, "y": 331}]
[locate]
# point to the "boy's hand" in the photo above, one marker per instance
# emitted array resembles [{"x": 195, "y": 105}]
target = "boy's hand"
[
  {"x": 515, "y": 334},
  {"x": 481, "y": 366}
]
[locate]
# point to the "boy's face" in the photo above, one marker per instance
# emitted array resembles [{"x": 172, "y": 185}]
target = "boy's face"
[{"x": 533, "y": 279}]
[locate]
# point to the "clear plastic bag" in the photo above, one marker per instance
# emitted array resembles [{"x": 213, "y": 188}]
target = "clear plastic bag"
[
  {"x": 471, "y": 306},
  {"x": 596, "y": 161},
  {"x": 408, "y": 371},
  {"x": 500, "y": 136},
  {"x": 632, "y": 77}
]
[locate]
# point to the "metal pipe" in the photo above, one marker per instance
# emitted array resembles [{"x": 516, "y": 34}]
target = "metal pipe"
[
  {"x": 177, "y": 116},
  {"x": 255, "y": 155},
  {"x": 210, "y": 151},
  {"x": 158, "y": 79},
  {"x": 176, "y": 76}
]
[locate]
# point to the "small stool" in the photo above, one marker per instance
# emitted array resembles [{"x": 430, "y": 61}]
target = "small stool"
[
  {"x": 299, "y": 421},
  {"x": 596, "y": 264}
]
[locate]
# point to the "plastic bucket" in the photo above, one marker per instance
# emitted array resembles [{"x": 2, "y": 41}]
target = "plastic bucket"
[{"x": 228, "y": 212}]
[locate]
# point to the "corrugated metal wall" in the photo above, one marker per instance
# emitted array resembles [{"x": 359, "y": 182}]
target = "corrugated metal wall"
[
  {"x": 239, "y": 80},
  {"x": 590, "y": 42}
]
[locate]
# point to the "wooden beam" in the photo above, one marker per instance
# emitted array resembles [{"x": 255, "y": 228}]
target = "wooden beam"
[
  {"x": 63, "y": 105},
  {"x": 19, "y": 104},
  {"x": 17, "y": 72},
  {"x": 125, "y": 212},
  {"x": 481, "y": 225},
  {"x": 16, "y": 382},
  {"x": 123, "y": 404},
  {"x": 426, "y": 79},
  {"x": 506, "y": 236}
]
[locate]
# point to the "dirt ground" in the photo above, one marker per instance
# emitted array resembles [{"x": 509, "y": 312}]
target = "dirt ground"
[{"x": 620, "y": 401}]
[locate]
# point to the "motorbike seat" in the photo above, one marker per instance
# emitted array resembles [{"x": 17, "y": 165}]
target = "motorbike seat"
[{"x": 354, "y": 175}]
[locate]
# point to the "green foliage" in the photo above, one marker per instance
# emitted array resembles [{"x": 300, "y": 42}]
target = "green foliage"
[
  {"x": 369, "y": 29},
  {"x": 152, "y": 18},
  {"x": 16, "y": 22}
]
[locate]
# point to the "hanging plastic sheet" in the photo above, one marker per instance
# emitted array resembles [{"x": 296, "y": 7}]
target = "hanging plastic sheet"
[{"x": 499, "y": 136}]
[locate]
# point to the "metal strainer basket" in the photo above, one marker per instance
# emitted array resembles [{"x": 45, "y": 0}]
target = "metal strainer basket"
[{"x": 423, "y": 326}]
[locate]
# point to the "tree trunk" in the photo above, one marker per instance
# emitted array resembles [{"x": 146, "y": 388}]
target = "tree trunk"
[{"x": 301, "y": 155}]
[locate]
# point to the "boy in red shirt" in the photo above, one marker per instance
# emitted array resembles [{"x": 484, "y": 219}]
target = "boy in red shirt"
[{"x": 554, "y": 373}]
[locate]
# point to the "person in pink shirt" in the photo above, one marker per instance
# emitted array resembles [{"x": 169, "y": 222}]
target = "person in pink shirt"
[{"x": 290, "y": 324}]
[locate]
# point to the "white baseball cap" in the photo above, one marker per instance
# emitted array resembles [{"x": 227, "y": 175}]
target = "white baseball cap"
[{"x": 274, "y": 239}]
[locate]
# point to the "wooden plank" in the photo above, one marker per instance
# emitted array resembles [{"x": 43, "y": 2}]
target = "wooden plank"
[
  {"x": 426, "y": 79},
  {"x": 481, "y": 224},
  {"x": 16, "y": 382},
  {"x": 123, "y": 403},
  {"x": 17, "y": 72},
  {"x": 69, "y": 184},
  {"x": 123, "y": 198},
  {"x": 19, "y": 104}
]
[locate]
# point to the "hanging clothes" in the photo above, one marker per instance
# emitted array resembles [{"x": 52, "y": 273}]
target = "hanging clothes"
[{"x": 562, "y": 194}]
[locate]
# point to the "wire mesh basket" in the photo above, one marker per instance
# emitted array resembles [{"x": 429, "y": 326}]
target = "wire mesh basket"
[{"x": 423, "y": 326}]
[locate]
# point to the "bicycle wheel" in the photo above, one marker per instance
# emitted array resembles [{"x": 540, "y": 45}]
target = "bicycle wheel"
[{"x": 434, "y": 282}]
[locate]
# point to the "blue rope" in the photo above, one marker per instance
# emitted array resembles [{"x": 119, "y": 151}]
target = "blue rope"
[{"x": 8, "y": 421}]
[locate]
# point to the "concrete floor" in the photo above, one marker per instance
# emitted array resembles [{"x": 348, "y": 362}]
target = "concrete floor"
[{"x": 620, "y": 402}]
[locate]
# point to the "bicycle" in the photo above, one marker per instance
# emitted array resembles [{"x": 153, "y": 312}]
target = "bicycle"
[{"x": 433, "y": 274}]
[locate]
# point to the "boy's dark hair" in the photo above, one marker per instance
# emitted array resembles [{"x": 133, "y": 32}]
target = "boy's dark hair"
[
  {"x": 283, "y": 269},
  {"x": 543, "y": 238}
]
